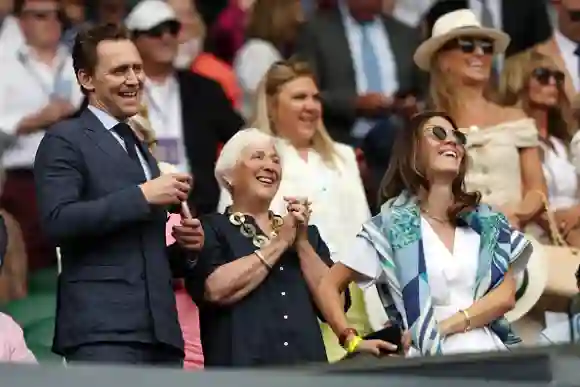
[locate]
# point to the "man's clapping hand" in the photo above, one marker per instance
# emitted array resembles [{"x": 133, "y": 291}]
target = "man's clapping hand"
[
  {"x": 167, "y": 189},
  {"x": 189, "y": 234}
]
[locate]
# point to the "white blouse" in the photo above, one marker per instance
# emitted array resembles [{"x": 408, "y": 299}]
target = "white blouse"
[
  {"x": 451, "y": 281},
  {"x": 560, "y": 175}
]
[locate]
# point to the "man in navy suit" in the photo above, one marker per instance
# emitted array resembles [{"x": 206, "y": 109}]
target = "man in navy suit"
[{"x": 103, "y": 201}]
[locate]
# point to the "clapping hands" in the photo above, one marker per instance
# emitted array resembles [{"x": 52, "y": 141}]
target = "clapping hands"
[{"x": 299, "y": 210}]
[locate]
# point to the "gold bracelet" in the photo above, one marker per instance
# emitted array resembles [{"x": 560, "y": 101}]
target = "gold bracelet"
[
  {"x": 262, "y": 259},
  {"x": 353, "y": 344},
  {"x": 467, "y": 320}
]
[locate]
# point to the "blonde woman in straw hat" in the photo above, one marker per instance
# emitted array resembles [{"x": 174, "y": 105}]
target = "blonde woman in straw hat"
[{"x": 502, "y": 142}]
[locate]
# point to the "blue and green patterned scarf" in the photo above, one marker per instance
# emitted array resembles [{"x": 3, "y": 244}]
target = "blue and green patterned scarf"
[{"x": 395, "y": 233}]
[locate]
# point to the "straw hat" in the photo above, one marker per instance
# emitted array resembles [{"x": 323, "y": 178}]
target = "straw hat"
[
  {"x": 530, "y": 283},
  {"x": 453, "y": 25}
]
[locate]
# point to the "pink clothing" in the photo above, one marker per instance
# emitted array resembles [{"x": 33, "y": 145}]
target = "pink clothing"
[
  {"x": 13, "y": 348},
  {"x": 187, "y": 312},
  {"x": 227, "y": 33}
]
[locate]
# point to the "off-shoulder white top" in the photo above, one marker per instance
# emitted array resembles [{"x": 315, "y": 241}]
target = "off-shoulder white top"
[{"x": 494, "y": 161}]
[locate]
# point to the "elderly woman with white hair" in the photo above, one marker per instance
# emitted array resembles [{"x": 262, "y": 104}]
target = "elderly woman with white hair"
[{"x": 256, "y": 276}]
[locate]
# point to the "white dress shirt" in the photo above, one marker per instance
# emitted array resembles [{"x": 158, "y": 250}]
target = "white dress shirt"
[
  {"x": 26, "y": 87},
  {"x": 567, "y": 48},
  {"x": 379, "y": 40},
  {"x": 163, "y": 101},
  {"x": 11, "y": 38},
  {"x": 109, "y": 122}
]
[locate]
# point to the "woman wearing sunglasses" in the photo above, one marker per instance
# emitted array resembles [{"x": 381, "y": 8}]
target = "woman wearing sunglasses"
[
  {"x": 502, "y": 142},
  {"x": 532, "y": 81},
  {"x": 434, "y": 250}
]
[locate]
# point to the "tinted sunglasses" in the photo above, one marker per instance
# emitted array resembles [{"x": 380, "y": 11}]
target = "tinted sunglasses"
[
  {"x": 544, "y": 74},
  {"x": 467, "y": 45},
  {"x": 172, "y": 27},
  {"x": 439, "y": 133}
]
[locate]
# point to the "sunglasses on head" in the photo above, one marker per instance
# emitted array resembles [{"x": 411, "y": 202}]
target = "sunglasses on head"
[
  {"x": 172, "y": 27},
  {"x": 441, "y": 134},
  {"x": 467, "y": 45},
  {"x": 544, "y": 74}
]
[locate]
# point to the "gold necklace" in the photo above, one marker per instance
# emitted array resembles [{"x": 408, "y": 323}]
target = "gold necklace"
[
  {"x": 436, "y": 218},
  {"x": 250, "y": 231}
]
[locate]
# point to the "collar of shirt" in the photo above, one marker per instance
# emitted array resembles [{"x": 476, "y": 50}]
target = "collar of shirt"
[
  {"x": 106, "y": 119},
  {"x": 351, "y": 22},
  {"x": 26, "y": 53}
]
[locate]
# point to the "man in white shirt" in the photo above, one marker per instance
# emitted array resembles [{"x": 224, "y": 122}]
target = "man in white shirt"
[{"x": 37, "y": 89}]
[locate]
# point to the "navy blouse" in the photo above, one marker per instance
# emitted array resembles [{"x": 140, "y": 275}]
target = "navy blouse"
[{"x": 275, "y": 324}]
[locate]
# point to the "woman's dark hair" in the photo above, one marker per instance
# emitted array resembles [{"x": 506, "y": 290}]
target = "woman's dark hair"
[{"x": 403, "y": 174}]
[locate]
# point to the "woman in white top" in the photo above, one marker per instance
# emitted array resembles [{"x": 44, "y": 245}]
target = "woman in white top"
[
  {"x": 533, "y": 82},
  {"x": 448, "y": 262},
  {"x": 288, "y": 106},
  {"x": 271, "y": 32}
]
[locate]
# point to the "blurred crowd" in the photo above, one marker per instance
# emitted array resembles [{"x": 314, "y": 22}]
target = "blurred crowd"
[{"x": 363, "y": 67}]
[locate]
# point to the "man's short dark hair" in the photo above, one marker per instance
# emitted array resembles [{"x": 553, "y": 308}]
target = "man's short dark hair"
[{"x": 84, "y": 52}]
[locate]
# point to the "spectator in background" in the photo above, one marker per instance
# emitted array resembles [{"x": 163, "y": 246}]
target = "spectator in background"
[
  {"x": 75, "y": 14},
  {"x": 525, "y": 21},
  {"x": 111, "y": 11},
  {"x": 271, "y": 35},
  {"x": 189, "y": 113},
  {"x": 343, "y": 46},
  {"x": 11, "y": 38},
  {"x": 39, "y": 91},
  {"x": 13, "y": 348},
  {"x": 313, "y": 166},
  {"x": 227, "y": 34},
  {"x": 533, "y": 82},
  {"x": 191, "y": 52},
  {"x": 563, "y": 46}
]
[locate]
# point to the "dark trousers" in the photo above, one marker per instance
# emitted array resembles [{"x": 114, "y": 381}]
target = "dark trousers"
[
  {"x": 126, "y": 354},
  {"x": 19, "y": 199}
]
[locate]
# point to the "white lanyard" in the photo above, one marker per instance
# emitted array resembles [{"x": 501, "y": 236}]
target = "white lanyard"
[{"x": 58, "y": 77}]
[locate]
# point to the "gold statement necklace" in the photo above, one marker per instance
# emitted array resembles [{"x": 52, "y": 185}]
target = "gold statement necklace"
[{"x": 248, "y": 230}]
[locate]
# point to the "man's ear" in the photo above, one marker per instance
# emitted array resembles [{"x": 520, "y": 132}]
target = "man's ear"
[{"x": 85, "y": 80}]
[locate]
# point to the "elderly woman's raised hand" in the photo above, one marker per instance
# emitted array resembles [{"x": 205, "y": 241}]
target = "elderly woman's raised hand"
[{"x": 299, "y": 209}]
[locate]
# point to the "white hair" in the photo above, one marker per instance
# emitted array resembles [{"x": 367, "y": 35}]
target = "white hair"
[{"x": 232, "y": 150}]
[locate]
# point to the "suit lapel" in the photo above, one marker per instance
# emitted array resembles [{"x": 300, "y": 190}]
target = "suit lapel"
[
  {"x": 342, "y": 52},
  {"x": 398, "y": 46},
  {"x": 109, "y": 145}
]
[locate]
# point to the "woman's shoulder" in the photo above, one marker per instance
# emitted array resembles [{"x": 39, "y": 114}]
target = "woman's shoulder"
[{"x": 258, "y": 47}]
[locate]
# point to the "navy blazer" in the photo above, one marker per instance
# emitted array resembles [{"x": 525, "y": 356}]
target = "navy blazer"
[{"x": 116, "y": 280}]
